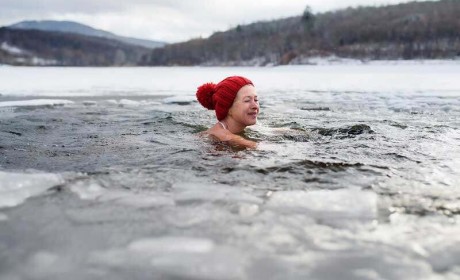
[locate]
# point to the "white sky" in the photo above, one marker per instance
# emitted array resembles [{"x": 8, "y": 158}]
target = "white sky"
[{"x": 167, "y": 20}]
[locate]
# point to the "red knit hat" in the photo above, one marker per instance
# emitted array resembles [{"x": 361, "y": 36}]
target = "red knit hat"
[{"x": 220, "y": 97}]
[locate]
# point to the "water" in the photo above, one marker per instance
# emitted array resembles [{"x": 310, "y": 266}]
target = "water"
[{"x": 102, "y": 175}]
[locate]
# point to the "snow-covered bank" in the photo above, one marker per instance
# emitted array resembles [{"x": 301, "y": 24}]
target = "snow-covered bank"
[{"x": 335, "y": 60}]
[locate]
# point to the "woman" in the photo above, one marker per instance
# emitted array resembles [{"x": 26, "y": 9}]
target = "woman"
[{"x": 235, "y": 101}]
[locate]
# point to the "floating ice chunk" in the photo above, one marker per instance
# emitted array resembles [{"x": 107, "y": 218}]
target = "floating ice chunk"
[
  {"x": 44, "y": 258},
  {"x": 171, "y": 244},
  {"x": 87, "y": 191},
  {"x": 3, "y": 217},
  {"x": 128, "y": 102},
  {"x": 180, "y": 100},
  {"x": 370, "y": 262},
  {"x": 132, "y": 103},
  {"x": 209, "y": 192},
  {"x": 139, "y": 201},
  {"x": 112, "y": 101},
  {"x": 42, "y": 263},
  {"x": 15, "y": 188},
  {"x": 46, "y": 265},
  {"x": 221, "y": 263},
  {"x": 35, "y": 102},
  {"x": 93, "y": 191},
  {"x": 197, "y": 215},
  {"x": 445, "y": 254},
  {"x": 183, "y": 257},
  {"x": 248, "y": 210},
  {"x": 329, "y": 204},
  {"x": 89, "y": 103},
  {"x": 143, "y": 250}
]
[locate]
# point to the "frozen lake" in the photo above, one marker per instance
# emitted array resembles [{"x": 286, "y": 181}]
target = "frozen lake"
[
  {"x": 103, "y": 176},
  {"x": 384, "y": 77}
]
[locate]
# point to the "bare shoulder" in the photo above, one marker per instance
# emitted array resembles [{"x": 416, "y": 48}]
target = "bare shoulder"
[
  {"x": 224, "y": 135},
  {"x": 212, "y": 133}
]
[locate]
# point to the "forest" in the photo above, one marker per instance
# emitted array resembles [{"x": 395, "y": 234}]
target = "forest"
[{"x": 415, "y": 30}]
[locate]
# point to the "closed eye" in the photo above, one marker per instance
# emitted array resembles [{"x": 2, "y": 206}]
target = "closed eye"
[{"x": 249, "y": 100}]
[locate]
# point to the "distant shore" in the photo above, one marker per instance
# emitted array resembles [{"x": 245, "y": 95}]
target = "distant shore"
[{"x": 304, "y": 61}]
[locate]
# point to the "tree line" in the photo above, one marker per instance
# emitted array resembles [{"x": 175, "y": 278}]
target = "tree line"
[{"x": 415, "y": 30}]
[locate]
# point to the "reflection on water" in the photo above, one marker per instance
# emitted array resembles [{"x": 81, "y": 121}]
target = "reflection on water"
[{"x": 344, "y": 185}]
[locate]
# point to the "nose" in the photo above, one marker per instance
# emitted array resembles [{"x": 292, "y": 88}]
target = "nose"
[{"x": 254, "y": 104}]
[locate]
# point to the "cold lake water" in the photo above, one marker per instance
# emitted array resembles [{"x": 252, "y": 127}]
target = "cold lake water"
[{"x": 356, "y": 175}]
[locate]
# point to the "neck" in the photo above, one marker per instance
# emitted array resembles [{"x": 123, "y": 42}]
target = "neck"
[{"x": 233, "y": 126}]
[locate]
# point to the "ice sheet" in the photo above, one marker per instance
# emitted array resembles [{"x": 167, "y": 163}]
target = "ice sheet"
[
  {"x": 35, "y": 102},
  {"x": 382, "y": 77},
  {"x": 15, "y": 188}
]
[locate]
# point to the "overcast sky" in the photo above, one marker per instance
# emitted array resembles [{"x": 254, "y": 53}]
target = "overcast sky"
[{"x": 167, "y": 20}]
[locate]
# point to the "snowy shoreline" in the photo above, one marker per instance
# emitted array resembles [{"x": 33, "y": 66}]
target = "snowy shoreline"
[{"x": 301, "y": 61}]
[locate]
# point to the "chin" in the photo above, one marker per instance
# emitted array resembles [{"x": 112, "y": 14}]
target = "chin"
[{"x": 251, "y": 122}]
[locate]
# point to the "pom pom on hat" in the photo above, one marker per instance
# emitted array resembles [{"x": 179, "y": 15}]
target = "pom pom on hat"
[
  {"x": 204, "y": 95},
  {"x": 220, "y": 97}
]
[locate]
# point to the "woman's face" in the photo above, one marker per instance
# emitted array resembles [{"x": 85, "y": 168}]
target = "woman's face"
[{"x": 245, "y": 108}]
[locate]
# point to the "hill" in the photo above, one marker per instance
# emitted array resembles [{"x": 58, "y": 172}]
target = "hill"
[
  {"x": 416, "y": 30},
  {"x": 35, "y": 47},
  {"x": 78, "y": 28}
]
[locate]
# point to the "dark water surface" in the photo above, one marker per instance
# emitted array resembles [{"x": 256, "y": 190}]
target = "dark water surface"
[{"x": 344, "y": 185}]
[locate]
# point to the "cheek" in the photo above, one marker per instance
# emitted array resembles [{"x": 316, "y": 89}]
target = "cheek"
[{"x": 237, "y": 108}]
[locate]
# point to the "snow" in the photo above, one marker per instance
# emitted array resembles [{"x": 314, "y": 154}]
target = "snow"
[
  {"x": 43, "y": 61},
  {"x": 11, "y": 49},
  {"x": 15, "y": 188},
  {"x": 25, "y": 57},
  {"x": 335, "y": 60}
]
